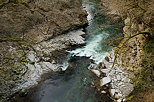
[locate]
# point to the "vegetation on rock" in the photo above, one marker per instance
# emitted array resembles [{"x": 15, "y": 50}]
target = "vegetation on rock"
[
  {"x": 25, "y": 23},
  {"x": 137, "y": 52},
  {"x": 144, "y": 81}
]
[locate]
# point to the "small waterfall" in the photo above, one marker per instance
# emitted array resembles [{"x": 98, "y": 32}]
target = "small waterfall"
[{"x": 93, "y": 49}]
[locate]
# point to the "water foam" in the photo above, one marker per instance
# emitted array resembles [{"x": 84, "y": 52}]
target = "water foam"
[{"x": 93, "y": 49}]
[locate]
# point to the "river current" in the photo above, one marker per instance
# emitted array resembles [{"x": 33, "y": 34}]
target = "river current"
[{"x": 76, "y": 83}]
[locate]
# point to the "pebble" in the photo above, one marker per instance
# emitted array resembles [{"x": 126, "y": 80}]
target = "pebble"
[
  {"x": 105, "y": 70},
  {"x": 112, "y": 91},
  {"x": 105, "y": 81},
  {"x": 103, "y": 92},
  {"x": 118, "y": 77}
]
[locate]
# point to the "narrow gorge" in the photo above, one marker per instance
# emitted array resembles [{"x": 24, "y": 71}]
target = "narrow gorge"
[{"x": 76, "y": 51}]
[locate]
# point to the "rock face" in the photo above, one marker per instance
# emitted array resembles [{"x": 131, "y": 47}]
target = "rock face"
[
  {"x": 121, "y": 85},
  {"x": 33, "y": 33},
  {"x": 39, "y": 20},
  {"x": 137, "y": 18}
]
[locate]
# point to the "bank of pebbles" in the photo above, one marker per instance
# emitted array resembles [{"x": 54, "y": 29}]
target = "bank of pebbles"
[{"x": 113, "y": 76}]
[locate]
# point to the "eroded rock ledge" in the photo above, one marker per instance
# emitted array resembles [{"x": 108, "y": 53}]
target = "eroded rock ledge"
[{"x": 33, "y": 33}]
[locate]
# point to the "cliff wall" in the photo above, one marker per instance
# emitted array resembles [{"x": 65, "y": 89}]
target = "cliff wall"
[
  {"x": 32, "y": 34},
  {"x": 137, "y": 16},
  {"x": 130, "y": 54}
]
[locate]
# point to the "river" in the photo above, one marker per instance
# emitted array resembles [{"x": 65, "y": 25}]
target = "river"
[{"x": 76, "y": 84}]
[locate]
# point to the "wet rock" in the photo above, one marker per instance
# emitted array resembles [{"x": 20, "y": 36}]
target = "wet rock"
[
  {"x": 126, "y": 80},
  {"x": 112, "y": 91},
  {"x": 118, "y": 77},
  {"x": 105, "y": 81},
  {"x": 118, "y": 96},
  {"x": 103, "y": 92},
  {"x": 105, "y": 70},
  {"x": 107, "y": 59},
  {"x": 53, "y": 62},
  {"x": 31, "y": 56},
  {"x": 97, "y": 72},
  {"x": 126, "y": 89},
  {"x": 112, "y": 72},
  {"x": 50, "y": 66},
  {"x": 92, "y": 66},
  {"x": 23, "y": 92},
  {"x": 101, "y": 65},
  {"x": 58, "y": 69},
  {"x": 60, "y": 42}
]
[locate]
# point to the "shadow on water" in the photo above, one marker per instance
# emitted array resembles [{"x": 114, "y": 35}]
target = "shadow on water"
[{"x": 73, "y": 85}]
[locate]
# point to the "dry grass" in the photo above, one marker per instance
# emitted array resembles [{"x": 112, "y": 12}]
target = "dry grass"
[
  {"x": 144, "y": 84},
  {"x": 143, "y": 97}
]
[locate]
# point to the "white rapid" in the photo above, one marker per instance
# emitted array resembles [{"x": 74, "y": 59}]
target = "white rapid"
[
  {"x": 40, "y": 64},
  {"x": 89, "y": 7},
  {"x": 93, "y": 48}
]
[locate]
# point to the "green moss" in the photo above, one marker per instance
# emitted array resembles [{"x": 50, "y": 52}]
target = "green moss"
[
  {"x": 149, "y": 45},
  {"x": 66, "y": 5},
  {"x": 11, "y": 39},
  {"x": 12, "y": 67},
  {"x": 2, "y": 2},
  {"x": 129, "y": 98},
  {"x": 144, "y": 81}
]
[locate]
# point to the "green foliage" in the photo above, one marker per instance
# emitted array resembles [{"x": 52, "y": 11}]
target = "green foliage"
[
  {"x": 17, "y": 1},
  {"x": 129, "y": 98},
  {"x": 124, "y": 41},
  {"x": 144, "y": 81},
  {"x": 2, "y": 2},
  {"x": 11, "y": 39},
  {"x": 149, "y": 45}
]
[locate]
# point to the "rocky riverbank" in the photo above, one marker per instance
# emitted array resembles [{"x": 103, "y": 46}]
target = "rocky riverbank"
[
  {"x": 137, "y": 18},
  {"x": 114, "y": 77},
  {"x": 125, "y": 63},
  {"x": 32, "y": 35}
]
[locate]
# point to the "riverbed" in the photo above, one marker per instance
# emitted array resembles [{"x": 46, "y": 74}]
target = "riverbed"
[{"x": 76, "y": 83}]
